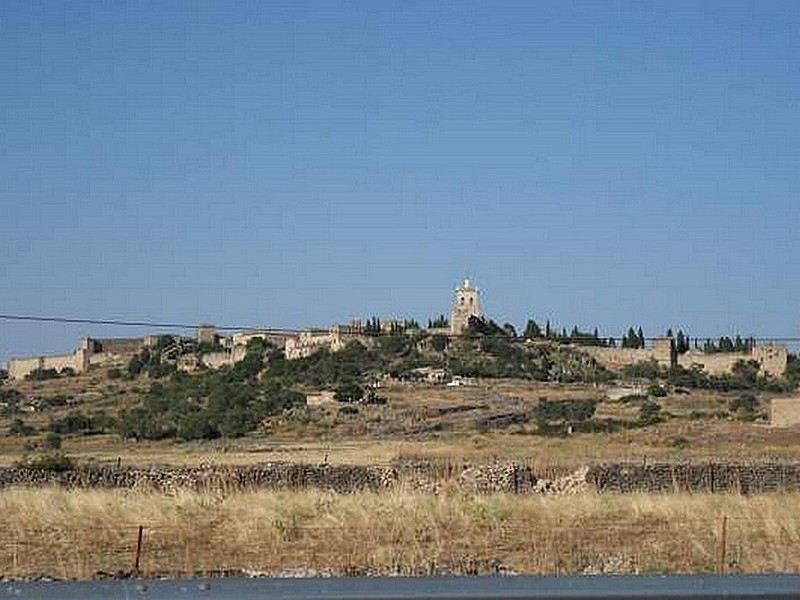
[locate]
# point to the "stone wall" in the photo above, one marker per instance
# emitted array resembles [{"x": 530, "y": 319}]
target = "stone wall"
[
  {"x": 498, "y": 477},
  {"x": 784, "y": 412},
  {"x": 308, "y": 342},
  {"x": 695, "y": 477},
  {"x": 219, "y": 478},
  {"x": 425, "y": 476},
  {"x": 771, "y": 358},
  {"x": 19, "y": 368},
  {"x": 661, "y": 350}
]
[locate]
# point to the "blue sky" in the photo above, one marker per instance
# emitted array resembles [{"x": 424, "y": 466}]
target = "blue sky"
[{"x": 301, "y": 163}]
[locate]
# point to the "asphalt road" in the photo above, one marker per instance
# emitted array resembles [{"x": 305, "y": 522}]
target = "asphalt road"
[{"x": 672, "y": 587}]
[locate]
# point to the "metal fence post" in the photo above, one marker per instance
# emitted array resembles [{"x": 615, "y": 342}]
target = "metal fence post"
[
  {"x": 138, "y": 550},
  {"x": 723, "y": 543}
]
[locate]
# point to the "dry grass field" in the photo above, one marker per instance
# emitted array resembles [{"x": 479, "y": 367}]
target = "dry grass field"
[{"x": 83, "y": 534}]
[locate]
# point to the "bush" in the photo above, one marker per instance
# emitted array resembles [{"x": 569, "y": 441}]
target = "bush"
[
  {"x": 114, "y": 373},
  {"x": 650, "y": 413},
  {"x": 744, "y": 406},
  {"x": 563, "y": 411},
  {"x": 56, "y": 462},
  {"x": 440, "y": 342},
  {"x": 349, "y": 392},
  {"x": 42, "y": 374},
  {"x": 52, "y": 441},
  {"x": 642, "y": 370},
  {"x": 73, "y": 422},
  {"x": 18, "y": 427},
  {"x": 656, "y": 391}
]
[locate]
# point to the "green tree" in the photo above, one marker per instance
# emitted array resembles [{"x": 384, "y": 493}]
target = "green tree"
[
  {"x": 18, "y": 427},
  {"x": 746, "y": 372},
  {"x": 681, "y": 343},
  {"x": 440, "y": 342},
  {"x": 349, "y": 392},
  {"x": 532, "y": 330},
  {"x": 52, "y": 441},
  {"x": 439, "y": 322},
  {"x": 510, "y": 330}
]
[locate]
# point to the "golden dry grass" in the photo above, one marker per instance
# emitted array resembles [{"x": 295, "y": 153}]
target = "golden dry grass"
[{"x": 75, "y": 534}]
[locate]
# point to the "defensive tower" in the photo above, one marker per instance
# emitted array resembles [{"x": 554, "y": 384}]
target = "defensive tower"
[{"x": 466, "y": 305}]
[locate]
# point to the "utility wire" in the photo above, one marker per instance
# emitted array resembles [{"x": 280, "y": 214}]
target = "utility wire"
[
  {"x": 122, "y": 323},
  {"x": 156, "y": 325}
]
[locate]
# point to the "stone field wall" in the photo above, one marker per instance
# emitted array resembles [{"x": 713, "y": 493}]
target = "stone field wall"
[
  {"x": 695, "y": 477},
  {"x": 483, "y": 479}
]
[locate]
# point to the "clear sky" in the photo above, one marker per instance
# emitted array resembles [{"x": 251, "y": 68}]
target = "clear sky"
[{"x": 302, "y": 163}]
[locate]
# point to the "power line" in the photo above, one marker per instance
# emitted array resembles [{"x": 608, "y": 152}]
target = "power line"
[
  {"x": 157, "y": 325},
  {"x": 123, "y": 323}
]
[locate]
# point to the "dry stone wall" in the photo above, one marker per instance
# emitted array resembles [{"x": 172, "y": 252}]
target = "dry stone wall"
[
  {"x": 499, "y": 477},
  {"x": 168, "y": 479},
  {"x": 695, "y": 477}
]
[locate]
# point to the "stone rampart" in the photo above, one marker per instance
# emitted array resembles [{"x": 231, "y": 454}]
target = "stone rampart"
[
  {"x": 771, "y": 359},
  {"x": 19, "y": 368},
  {"x": 662, "y": 351}
]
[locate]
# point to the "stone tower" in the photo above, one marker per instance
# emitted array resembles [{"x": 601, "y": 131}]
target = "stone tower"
[{"x": 466, "y": 305}]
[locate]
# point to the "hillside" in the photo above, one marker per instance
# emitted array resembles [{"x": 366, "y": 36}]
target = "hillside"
[{"x": 514, "y": 398}]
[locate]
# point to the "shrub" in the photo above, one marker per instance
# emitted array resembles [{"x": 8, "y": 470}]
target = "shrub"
[
  {"x": 650, "y": 413},
  {"x": 56, "y": 462},
  {"x": 656, "y": 391},
  {"x": 440, "y": 342},
  {"x": 18, "y": 427},
  {"x": 52, "y": 441},
  {"x": 642, "y": 370},
  {"x": 746, "y": 402},
  {"x": 349, "y": 392},
  {"x": 563, "y": 411},
  {"x": 42, "y": 374},
  {"x": 114, "y": 373},
  {"x": 73, "y": 422}
]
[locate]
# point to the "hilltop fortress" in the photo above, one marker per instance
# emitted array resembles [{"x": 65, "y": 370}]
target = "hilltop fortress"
[{"x": 211, "y": 350}]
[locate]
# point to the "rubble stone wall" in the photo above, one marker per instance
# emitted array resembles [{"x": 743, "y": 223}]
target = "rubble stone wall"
[
  {"x": 499, "y": 477},
  {"x": 695, "y": 477}
]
